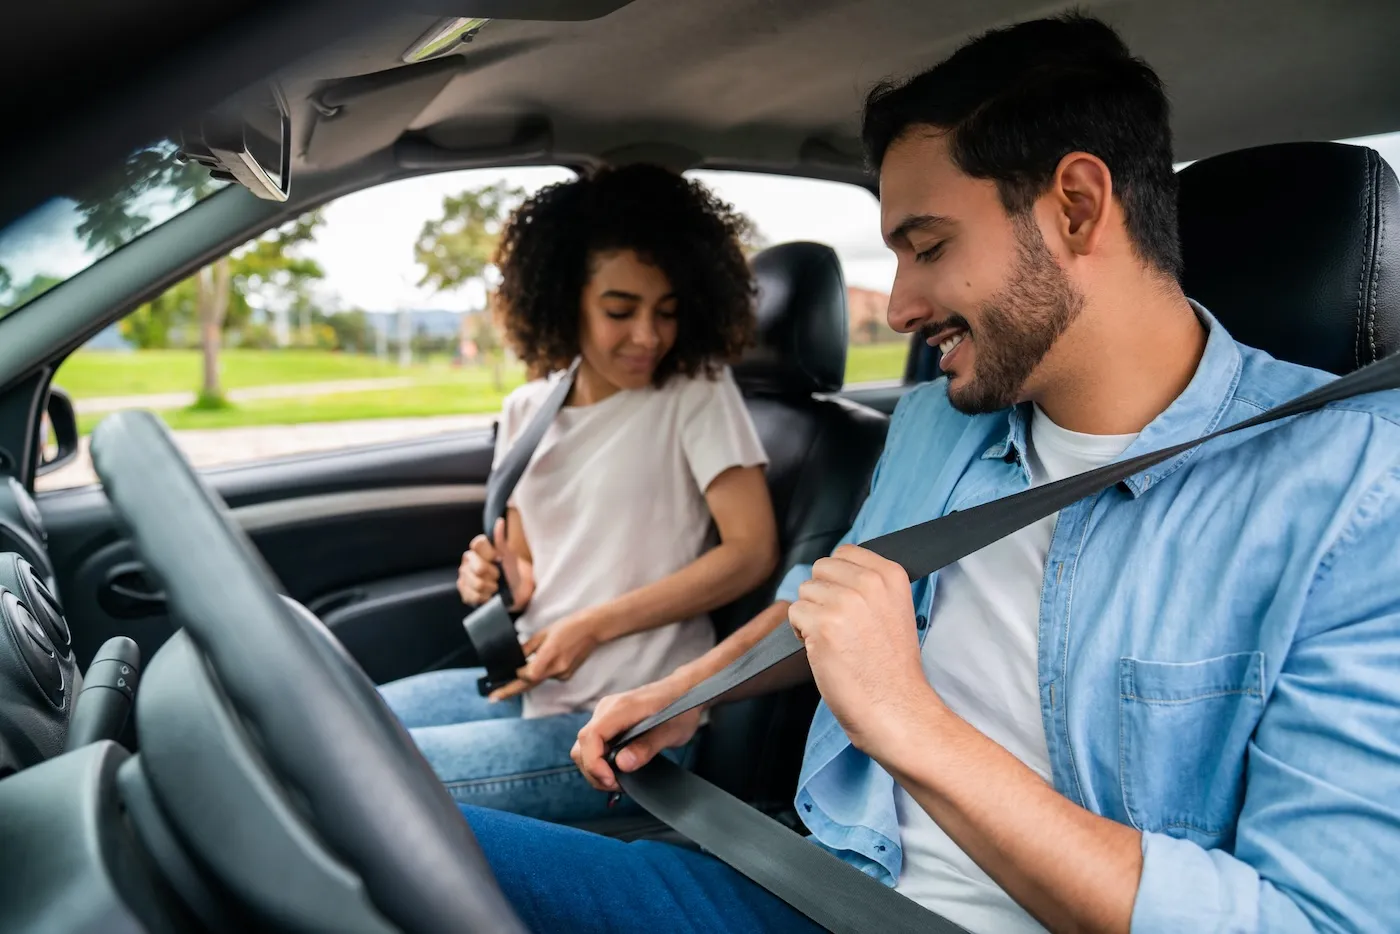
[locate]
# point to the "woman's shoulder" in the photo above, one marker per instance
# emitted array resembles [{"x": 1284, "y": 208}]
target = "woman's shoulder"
[
  {"x": 522, "y": 401},
  {"x": 701, "y": 387}
]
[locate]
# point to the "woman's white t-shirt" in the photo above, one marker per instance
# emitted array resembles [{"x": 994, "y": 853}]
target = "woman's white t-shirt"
[{"x": 613, "y": 500}]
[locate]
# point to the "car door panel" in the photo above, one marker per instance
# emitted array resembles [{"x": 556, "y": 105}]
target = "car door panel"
[{"x": 371, "y": 538}]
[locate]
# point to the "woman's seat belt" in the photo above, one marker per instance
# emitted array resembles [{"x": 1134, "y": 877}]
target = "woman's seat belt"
[{"x": 491, "y": 626}]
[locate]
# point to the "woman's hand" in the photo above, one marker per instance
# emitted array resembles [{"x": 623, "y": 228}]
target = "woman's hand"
[
  {"x": 556, "y": 652},
  {"x": 479, "y": 575}
]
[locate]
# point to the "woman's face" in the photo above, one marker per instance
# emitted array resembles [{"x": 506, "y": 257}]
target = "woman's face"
[{"x": 629, "y": 319}]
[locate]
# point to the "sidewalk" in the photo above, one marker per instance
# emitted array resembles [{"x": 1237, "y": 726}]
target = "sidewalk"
[{"x": 179, "y": 400}]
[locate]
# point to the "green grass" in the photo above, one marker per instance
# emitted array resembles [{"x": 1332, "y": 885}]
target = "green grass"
[
  {"x": 96, "y": 373},
  {"x": 438, "y": 389},
  {"x": 866, "y": 363}
]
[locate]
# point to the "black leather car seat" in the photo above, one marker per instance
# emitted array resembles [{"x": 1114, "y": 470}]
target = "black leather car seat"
[
  {"x": 1293, "y": 247},
  {"x": 821, "y": 454}
]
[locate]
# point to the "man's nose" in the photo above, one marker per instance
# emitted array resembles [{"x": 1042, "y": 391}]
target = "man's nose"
[{"x": 908, "y": 310}]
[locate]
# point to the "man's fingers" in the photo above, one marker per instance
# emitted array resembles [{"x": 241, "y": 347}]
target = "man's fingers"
[
  {"x": 636, "y": 753},
  {"x": 588, "y": 756}
]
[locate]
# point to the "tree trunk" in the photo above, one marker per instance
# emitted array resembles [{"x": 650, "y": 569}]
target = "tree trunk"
[{"x": 214, "y": 281}]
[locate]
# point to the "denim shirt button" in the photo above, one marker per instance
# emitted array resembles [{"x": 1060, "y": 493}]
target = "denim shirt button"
[{"x": 921, "y": 621}]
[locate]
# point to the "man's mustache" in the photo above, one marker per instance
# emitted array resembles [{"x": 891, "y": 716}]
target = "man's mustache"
[{"x": 928, "y": 331}]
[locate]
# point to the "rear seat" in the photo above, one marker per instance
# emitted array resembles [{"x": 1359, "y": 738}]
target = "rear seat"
[{"x": 822, "y": 452}]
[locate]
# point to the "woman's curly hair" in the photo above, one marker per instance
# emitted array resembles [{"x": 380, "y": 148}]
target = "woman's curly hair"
[{"x": 675, "y": 224}]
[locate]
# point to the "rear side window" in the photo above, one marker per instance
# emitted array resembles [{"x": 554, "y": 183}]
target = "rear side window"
[{"x": 846, "y": 218}]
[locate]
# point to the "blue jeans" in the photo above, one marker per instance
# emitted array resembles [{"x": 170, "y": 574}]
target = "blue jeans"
[
  {"x": 488, "y": 755},
  {"x": 564, "y": 879}
]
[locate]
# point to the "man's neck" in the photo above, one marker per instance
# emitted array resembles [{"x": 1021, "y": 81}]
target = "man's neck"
[{"x": 1123, "y": 361}]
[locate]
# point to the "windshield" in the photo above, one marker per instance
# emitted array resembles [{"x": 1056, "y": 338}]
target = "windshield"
[{"x": 65, "y": 235}]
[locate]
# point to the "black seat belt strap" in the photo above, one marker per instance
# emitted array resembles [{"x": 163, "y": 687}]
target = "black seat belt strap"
[
  {"x": 491, "y": 626},
  {"x": 921, "y": 550}
]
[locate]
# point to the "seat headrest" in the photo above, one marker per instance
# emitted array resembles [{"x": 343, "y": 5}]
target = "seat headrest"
[
  {"x": 802, "y": 322},
  {"x": 1295, "y": 248}
]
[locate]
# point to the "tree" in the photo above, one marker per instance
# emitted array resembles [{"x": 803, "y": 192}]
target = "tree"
[
  {"x": 23, "y": 294},
  {"x": 456, "y": 249},
  {"x": 751, "y": 239},
  {"x": 215, "y": 299},
  {"x": 118, "y": 209}
]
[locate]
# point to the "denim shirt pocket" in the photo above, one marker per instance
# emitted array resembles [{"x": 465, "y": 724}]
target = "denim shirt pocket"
[{"x": 1184, "y": 728}]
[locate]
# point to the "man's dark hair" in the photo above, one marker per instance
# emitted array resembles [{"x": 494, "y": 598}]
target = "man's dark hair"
[
  {"x": 678, "y": 225},
  {"x": 1015, "y": 101}
]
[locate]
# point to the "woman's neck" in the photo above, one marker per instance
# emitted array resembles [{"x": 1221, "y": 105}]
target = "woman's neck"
[{"x": 590, "y": 387}]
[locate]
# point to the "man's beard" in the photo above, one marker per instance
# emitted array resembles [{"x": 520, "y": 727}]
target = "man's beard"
[{"x": 1018, "y": 326}]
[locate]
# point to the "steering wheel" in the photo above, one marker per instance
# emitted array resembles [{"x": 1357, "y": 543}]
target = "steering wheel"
[{"x": 315, "y": 717}]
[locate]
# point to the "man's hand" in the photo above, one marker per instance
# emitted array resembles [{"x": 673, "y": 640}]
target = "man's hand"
[
  {"x": 555, "y": 652},
  {"x": 478, "y": 576},
  {"x": 618, "y": 713},
  {"x": 856, "y": 618}
]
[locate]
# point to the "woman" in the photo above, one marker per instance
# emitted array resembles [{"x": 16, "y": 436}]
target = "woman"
[{"x": 609, "y": 541}]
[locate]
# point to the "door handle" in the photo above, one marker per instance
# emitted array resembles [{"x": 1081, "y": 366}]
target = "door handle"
[{"x": 128, "y": 594}]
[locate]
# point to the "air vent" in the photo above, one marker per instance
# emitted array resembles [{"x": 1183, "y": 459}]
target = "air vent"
[
  {"x": 34, "y": 647},
  {"x": 44, "y": 605}
]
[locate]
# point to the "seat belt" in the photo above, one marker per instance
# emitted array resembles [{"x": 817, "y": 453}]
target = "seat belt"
[
  {"x": 826, "y": 889},
  {"x": 491, "y": 626}
]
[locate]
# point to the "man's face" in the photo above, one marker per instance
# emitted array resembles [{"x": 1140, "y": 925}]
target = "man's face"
[{"x": 971, "y": 279}]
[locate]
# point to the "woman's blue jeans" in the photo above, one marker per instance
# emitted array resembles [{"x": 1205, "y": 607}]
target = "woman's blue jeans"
[{"x": 488, "y": 755}]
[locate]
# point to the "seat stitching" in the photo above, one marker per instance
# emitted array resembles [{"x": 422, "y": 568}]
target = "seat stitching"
[
  {"x": 1361, "y": 280},
  {"x": 1376, "y": 263}
]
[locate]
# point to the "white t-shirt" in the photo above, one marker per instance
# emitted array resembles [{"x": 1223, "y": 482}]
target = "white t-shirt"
[
  {"x": 980, "y": 654},
  {"x": 613, "y": 500}
]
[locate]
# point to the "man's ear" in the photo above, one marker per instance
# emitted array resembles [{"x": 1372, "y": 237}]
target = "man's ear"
[{"x": 1082, "y": 191}]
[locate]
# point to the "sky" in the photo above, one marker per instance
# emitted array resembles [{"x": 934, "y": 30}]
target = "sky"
[{"x": 366, "y": 245}]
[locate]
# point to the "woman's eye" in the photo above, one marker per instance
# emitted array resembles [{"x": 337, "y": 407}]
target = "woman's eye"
[
  {"x": 668, "y": 313},
  {"x": 618, "y": 314}
]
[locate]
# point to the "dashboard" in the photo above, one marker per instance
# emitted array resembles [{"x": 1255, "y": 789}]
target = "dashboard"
[{"x": 39, "y": 677}]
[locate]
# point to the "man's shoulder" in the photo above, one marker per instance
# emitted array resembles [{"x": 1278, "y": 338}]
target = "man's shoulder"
[{"x": 1266, "y": 382}]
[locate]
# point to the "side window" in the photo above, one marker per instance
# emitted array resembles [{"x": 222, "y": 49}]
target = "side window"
[
  {"x": 360, "y": 323},
  {"x": 846, "y": 218}
]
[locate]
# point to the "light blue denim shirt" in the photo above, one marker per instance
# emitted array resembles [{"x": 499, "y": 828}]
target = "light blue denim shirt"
[{"x": 1219, "y": 649}]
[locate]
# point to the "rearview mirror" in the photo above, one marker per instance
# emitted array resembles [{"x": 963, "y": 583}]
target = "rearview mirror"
[
  {"x": 58, "y": 432},
  {"x": 248, "y": 140}
]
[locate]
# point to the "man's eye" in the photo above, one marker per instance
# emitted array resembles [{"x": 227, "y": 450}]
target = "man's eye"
[{"x": 931, "y": 253}]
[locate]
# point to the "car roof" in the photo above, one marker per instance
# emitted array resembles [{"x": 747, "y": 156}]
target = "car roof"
[
  {"x": 781, "y": 82},
  {"x": 774, "y": 84}
]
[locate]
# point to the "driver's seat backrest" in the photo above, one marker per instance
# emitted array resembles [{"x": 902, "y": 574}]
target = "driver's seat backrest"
[
  {"x": 1295, "y": 249},
  {"x": 821, "y": 454}
]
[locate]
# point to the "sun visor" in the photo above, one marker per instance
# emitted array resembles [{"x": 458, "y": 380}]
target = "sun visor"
[{"x": 364, "y": 114}]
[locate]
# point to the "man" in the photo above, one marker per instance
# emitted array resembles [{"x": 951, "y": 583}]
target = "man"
[{"x": 1174, "y": 706}]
